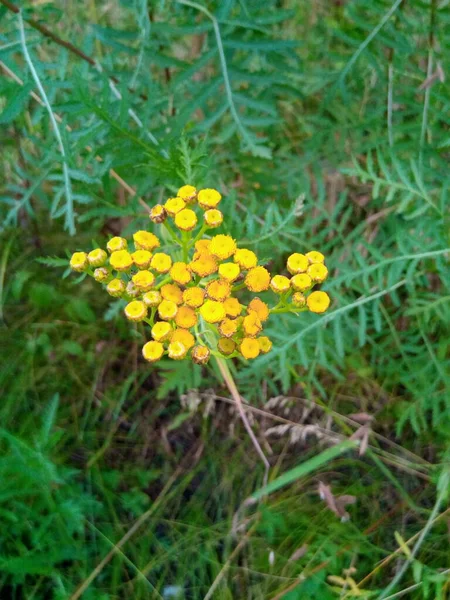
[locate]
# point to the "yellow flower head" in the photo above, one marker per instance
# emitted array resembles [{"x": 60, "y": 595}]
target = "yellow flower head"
[
  {"x": 186, "y": 317},
  {"x": 121, "y": 260},
  {"x": 233, "y": 307},
  {"x": 212, "y": 311},
  {"x": 136, "y": 311},
  {"x": 177, "y": 350},
  {"x": 213, "y": 218},
  {"x": 184, "y": 336},
  {"x": 298, "y": 299},
  {"x": 249, "y": 348},
  {"x": 297, "y": 263},
  {"x": 174, "y": 205},
  {"x": 167, "y": 310},
  {"x": 229, "y": 271},
  {"x": 194, "y": 297},
  {"x": 202, "y": 246},
  {"x": 180, "y": 273},
  {"x": 318, "y": 302},
  {"x": 200, "y": 355},
  {"x": 222, "y": 246},
  {"x": 265, "y": 344},
  {"x": 79, "y": 261},
  {"x": 209, "y": 198},
  {"x": 219, "y": 289},
  {"x": 315, "y": 257},
  {"x": 158, "y": 214},
  {"x": 246, "y": 259},
  {"x": 318, "y": 272},
  {"x": 188, "y": 193},
  {"x": 186, "y": 219},
  {"x": 97, "y": 257},
  {"x": 101, "y": 274},
  {"x": 117, "y": 243},
  {"x": 143, "y": 280},
  {"x": 258, "y": 279},
  {"x": 204, "y": 265},
  {"x": 132, "y": 290},
  {"x": 141, "y": 258},
  {"x": 260, "y": 308},
  {"x": 152, "y": 351},
  {"x": 115, "y": 288},
  {"x": 228, "y": 327},
  {"x": 252, "y": 325},
  {"x": 152, "y": 298},
  {"x": 226, "y": 346},
  {"x": 161, "y": 331},
  {"x": 145, "y": 240},
  {"x": 301, "y": 282},
  {"x": 161, "y": 262},
  {"x": 280, "y": 284},
  {"x": 170, "y": 291}
]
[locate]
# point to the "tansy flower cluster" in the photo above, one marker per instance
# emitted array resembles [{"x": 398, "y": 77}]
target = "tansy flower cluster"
[{"x": 195, "y": 299}]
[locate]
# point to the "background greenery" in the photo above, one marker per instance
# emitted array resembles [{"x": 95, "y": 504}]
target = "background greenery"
[{"x": 325, "y": 124}]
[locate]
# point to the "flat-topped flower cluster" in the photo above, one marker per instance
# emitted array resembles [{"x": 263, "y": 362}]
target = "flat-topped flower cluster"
[{"x": 189, "y": 298}]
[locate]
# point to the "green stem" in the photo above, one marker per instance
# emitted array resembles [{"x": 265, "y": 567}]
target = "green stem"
[
  {"x": 172, "y": 233},
  {"x": 288, "y": 309},
  {"x": 199, "y": 235}
]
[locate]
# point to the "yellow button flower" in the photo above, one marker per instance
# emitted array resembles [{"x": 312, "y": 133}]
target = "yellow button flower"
[
  {"x": 200, "y": 355},
  {"x": 233, "y": 307},
  {"x": 298, "y": 300},
  {"x": 180, "y": 273},
  {"x": 145, "y": 240},
  {"x": 186, "y": 317},
  {"x": 213, "y": 218},
  {"x": 212, "y": 311},
  {"x": 184, "y": 336},
  {"x": 219, "y": 289},
  {"x": 167, "y": 310},
  {"x": 297, "y": 263},
  {"x": 117, "y": 243},
  {"x": 249, "y": 348},
  {"x": 229, "y": 271},
  {"x": 174, "y": 205},
  {"x": 228, "y": 327},
  {"x": 187, "y": 192},
  {"x": 158, "y": 214},
  {"x": 265, "y": 344},
  {"x": 258, "y": 279},
  {"x": 152, "y": 351},
  {"x": 204, "y": 265},
  {"x": 121, "y": 260},
  {"x": 318, "y": 302},
  {"x": 194, "y": 297},
  {"x": 246, "y": 259},
  {"x": 301, "y": 282},
  {"x": 97, "y": 257},
  {"x": 115, "y": 288},
  {"x": 170, "y": 291},
  {"x": 141, "y": 258},
  {"x": 318, "y": 272},
  {"x": 136, "y": 311},
  {"x": 252, "y": 325},
  {"x": 161, "y": 331},
  {"x": 161, "y": 262},
  {"x": 101, "y": 274},
  {"x": 315, "y": 257},
  {"x": 202, "y": 246},
  {"x": 222, "y": 246},
  {"x": 260, "y": 308},
  {"x": 79, "y": 261},
  {"x": 186, "y": 219},
  {"x": 143, "y": 280},
  {"x": 177, "y": 350},
  {"x": 280, "y": 284},
  {"x": 152, "y": 298},
  {"x": 132, "y": 290},
  {"x": 226, "y": 346},
  {"x": 209, "y": 198}
]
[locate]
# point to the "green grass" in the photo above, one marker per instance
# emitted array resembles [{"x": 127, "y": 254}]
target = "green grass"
[{"x": 121, "y": 480}]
